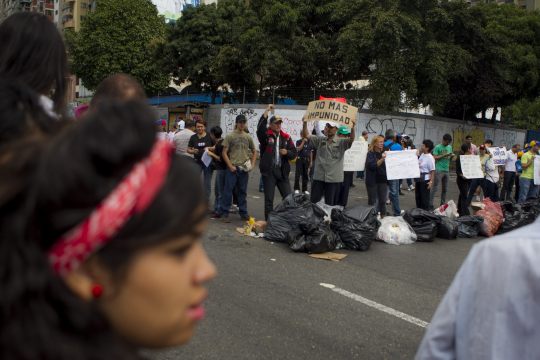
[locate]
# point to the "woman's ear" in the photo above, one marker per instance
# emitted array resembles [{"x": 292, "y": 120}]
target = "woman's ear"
[{"x": 83, "y": 280}]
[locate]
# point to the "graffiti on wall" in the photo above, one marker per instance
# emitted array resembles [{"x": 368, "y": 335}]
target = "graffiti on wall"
[{"x": 379, "y": 125}]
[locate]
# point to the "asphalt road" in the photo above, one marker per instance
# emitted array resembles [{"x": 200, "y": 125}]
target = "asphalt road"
[{"x": 267, "y": 302}]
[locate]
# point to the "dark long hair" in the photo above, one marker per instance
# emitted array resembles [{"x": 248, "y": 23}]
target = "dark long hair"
[
  {"x": 33, "y": 52},
  {"x": 21, "y": 113},
  {"x": 50, "y": 186}
]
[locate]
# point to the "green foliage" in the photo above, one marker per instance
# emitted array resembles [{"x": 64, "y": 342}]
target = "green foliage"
[
  {"x": 458, "y": 59},
  {"x": 524, "y": 114},
  {"x": 120, "y": 36}
]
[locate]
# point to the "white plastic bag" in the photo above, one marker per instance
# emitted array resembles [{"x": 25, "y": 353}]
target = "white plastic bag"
[
  {"x": 449, "y": 209},
  {"x": 328, "y": 210},
  {"x": 396, "y": 231}
]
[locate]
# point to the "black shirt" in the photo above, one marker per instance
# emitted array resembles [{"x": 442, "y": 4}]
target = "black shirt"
[
  {"x": 219, "y": 165},
  {"x": 306, "y": 150},
  {"x": 200, "y": 144}
]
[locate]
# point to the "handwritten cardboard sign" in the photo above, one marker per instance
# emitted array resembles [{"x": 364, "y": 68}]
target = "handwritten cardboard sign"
[
  {"x": 499, "y": 155},
  {"x": 329, "y": 110},
  {"x": 537, "y": 170},
  {"x": 355, "y": 158},
  {"x": 471, "y": 167},
  {"x": 402, "y": 165}
]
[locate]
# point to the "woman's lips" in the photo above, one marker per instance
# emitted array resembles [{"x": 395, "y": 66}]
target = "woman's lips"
[{"x": 196, "y": 313}]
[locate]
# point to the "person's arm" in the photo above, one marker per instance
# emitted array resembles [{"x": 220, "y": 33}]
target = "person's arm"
[
  {"x": 225, "y": 156},
  {"x": 300, "y": 147},
  {"x": 263, "y": 125},
  {"x": 431, "y": 179},
  {"x": 371, "y": 161},
  {"x": 253, "y": 153},
  {"x": 527, "y": 164},
  {"x": 213, "y": 156},
  {"x": 191, "y": 146},
  {"x": 311, "y": 159},
  {"x": 305, "y": 132},
  {"x": 353, "y": 133}
]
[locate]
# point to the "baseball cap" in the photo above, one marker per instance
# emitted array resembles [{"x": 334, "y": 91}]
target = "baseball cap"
[
  {"x": 343, "y": 130},
  {"x": 482, "y": 147},
  {"x": 534, "y": 143},
  {"x": 275, "y": 119},
  {"x": 241, "y": 118},
  {"x": 332, "y": 124}
]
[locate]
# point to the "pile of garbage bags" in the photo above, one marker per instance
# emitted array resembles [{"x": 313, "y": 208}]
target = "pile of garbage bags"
[
  {"x": 318, "y": 228},
  {"x": 306, "y": 227}
]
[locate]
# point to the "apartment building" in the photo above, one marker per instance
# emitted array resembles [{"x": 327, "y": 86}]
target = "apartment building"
[{"x": 72, "y": 12}]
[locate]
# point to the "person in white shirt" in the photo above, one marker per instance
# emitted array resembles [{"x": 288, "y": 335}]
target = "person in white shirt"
[
  {"x": 509, "y": 173},
  {"x": 491, "y": 187},
  {"x": 426, "y": 161},
  {"x": 181, "y": 139}
]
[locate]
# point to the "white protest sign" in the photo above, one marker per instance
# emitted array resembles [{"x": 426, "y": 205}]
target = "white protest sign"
[
  {"x": 402, "y": 165},
  {"x": 537, "y": 170},
  {"x": 499, "y": 155},
  {"x": 330, "y": 110},
  {"x": 471, "y": 167},
  {"x": 355, "y": 158}
]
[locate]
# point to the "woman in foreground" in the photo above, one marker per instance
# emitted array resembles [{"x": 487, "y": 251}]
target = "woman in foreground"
[{"x": 100, "y": 250}]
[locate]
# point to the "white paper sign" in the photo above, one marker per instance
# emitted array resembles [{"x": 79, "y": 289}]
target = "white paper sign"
[
  {"x": 499, "y": 155},
  {"x": 206, "y": 159},
  {"x": 537, "y": 170},
  {"x": 471, "y": 167},
  {"x": 355, "y": 158},
  {"x": 402, "y": 165}
]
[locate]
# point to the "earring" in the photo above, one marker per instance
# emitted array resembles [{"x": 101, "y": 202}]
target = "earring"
[{"x": 97, "y": 291}]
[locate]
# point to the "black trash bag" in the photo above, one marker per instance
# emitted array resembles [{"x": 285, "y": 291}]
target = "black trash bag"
[
  {"x": 517, "y": 217},
  {"x": 447, "y": 228},
  {"x": 424, "y": 223},
  {"x": 362, "y": 213},
  {"x": 313, "y": 238},
  {"x": 295, "y": 209},
  {"x": 507, "y": 206},
  {"x": 531, "y": 206},
  {"x": 469, "y": 226},
  {"x": 354, "y": 234}
]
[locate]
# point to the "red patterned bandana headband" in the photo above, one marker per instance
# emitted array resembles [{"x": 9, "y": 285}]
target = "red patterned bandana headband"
[{"x": 132, "y": 196}]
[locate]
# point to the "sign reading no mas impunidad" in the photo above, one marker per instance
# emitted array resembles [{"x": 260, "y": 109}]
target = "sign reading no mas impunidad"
[{"x": 329, "y": 110}]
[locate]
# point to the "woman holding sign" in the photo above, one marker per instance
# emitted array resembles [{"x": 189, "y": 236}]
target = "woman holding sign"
[
  {"x": 376, "y": 181},
  {"x": 427, "y": 175}
]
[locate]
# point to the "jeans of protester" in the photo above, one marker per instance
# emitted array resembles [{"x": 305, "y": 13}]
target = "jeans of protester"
[
  {"x": 207, "y": 180},
  {"x": 463, "y": 186},
  {"x": 330, "y": 191},
  {"x": 219, "y": 185},
  {"x": 261, "y": 184},
  {"x": 270, "y": 182},
  {"x": 409, "y": 183},
  {"x": 393, "y": 187},
  {"x": 343, "y": 197},
  {"x": 421, "y": 193},
  {"x": 491, "y": 190},
  {"x": 508, "y": 184},
  {"x": 302, "y": 171},
  {"x": 516, "y": 193},
  {"x": 360, "y": 175},
  {"x": 238, "y": 179},
  {"x": 475, "y": 183},
  {"x": 377, "y": 197},
  {"x": 527, "y": 190},
  {"x": 441, "y": 177}
]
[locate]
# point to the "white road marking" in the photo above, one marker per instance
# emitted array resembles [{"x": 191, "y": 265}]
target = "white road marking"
[{"x": 375, "y": 305}]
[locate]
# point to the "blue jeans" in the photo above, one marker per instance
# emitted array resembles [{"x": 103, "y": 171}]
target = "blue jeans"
[
  {"x": 207, "y": 180},
  {"x": 360, "y": 175},
  {"x": 393, "y": 187},
  {"x": 219, "y": 186},
  {"x": 240, "y": 180},
  {"x": 527, "y": 189}
]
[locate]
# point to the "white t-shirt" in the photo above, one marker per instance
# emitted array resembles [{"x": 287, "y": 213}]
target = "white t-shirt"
[
  {"x": 181, "y": 141},
  {"x": 427, "y": 165},
  {"x": 510, "y": 164}
]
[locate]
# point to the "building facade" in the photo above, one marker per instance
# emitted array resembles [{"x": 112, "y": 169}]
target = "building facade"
[{"x": 72, "y": 12}]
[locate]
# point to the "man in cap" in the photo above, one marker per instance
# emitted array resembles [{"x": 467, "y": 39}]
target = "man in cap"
[
  {"x": 181, "y": 138},
  {"x": 277, "y": 148},
  {"x": 328, "y": 174},
  {"x": 527, "y": 189},
  {"x": 343, "y": 197},
  {"x": 239, "y": 155}
]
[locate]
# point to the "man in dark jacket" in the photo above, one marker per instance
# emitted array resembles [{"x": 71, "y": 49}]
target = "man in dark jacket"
[{"x": 277, "y": 148}]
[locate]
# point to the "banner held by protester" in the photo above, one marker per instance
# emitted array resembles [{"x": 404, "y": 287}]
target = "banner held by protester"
[
  {"x": 471, "y": 167},
  {"x": 499, "y": 155},
  {"x": 330, "y": 110},
  {"x": 355, "y": 158},
  {"x": 537, "y": 170},
  {"x": 402, "y": 165}
]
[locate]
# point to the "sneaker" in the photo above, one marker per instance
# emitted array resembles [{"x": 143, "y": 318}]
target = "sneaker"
[
  {"x": 297, "y": 191},
  {"x": 306, "y": 192},
  {"x": 402, "y": 212},
  {"x": 352, "y": 185},
  {"x": 411, "y": 188},
  {"x": 388, "y": 202},
  {"x": 234, "y": 209},
  {"x": 261, "y": 189}
]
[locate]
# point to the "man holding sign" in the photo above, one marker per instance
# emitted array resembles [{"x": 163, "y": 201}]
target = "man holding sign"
[{"x": 328, "y": 174}]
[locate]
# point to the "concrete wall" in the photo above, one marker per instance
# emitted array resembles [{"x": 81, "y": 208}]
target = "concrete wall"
[{"x": 419, "y": 127}]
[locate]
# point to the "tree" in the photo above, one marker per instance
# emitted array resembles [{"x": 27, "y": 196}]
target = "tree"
[
  {"x": 120, "y": 36},
  {"x": 524, "y": 114}
]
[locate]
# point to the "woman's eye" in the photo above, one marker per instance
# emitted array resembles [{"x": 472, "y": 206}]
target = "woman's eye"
[{"x": 180, "y": 251}]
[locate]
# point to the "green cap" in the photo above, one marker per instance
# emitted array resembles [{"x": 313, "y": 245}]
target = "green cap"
[{"x": 343, "y": 130}]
